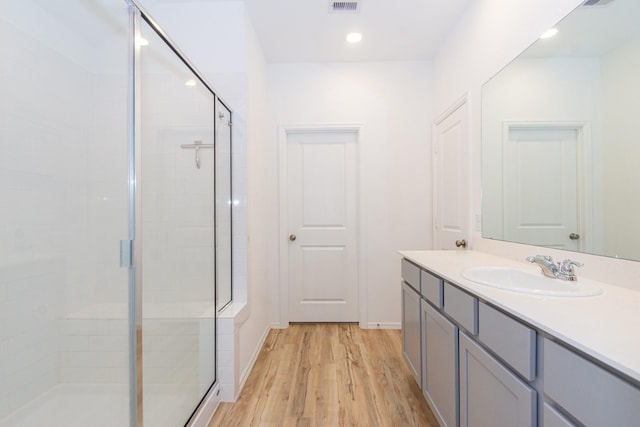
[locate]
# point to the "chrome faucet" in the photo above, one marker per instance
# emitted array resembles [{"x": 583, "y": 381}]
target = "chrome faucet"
[
  {"x": 549, "y": 268},
  {"x": 562, "y": 271},
  {"x": 567, "y": 271}
]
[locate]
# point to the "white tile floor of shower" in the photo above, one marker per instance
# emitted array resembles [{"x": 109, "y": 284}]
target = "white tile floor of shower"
[
  {"x": 90, "y": 394},
  {"x": 82, "y": 405},
  {"x": 74, "y": 405}
]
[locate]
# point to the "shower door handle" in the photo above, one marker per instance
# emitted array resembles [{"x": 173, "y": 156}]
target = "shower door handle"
[{"x": 126, "y": 253}]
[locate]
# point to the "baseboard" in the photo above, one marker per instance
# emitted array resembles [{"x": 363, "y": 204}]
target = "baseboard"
[
  {"x": 207, "y": 408},
  {"x": 384, "y": 325},
  {"x": 254, "y": 357},
  {"x": 278, "y": 325}
]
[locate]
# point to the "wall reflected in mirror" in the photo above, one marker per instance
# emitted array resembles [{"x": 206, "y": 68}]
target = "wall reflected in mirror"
[{"x": 560, "y": 145}]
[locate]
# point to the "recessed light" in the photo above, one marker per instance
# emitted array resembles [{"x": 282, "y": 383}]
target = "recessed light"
[
  {"x": 190, "y": 83},
  {"x": 354, "y": 37},
  {"x": 549, "y": 33}
]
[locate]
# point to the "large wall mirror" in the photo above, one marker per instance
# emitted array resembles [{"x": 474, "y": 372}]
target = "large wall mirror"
[{"x": 561, "y": 137}]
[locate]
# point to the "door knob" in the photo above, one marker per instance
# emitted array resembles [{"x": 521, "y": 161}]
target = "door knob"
[
  {"x": 461, "y": 243},
  {"x": 292, "y": 237},
  {"x": 574, "y": 236}
]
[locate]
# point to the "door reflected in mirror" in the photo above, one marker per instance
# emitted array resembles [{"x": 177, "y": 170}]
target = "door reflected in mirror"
[{"x": 560, "y": 149}]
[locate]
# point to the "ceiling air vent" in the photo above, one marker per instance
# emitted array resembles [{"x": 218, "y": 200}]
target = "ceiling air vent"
[
  {"x": 344, "y": 6},
  {"x": 600, "y": 3}
]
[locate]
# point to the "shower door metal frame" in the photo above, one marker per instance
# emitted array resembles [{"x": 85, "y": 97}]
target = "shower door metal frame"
[
  {"x": 136, "y": 15},
  {"x": 135, "y": 247}
]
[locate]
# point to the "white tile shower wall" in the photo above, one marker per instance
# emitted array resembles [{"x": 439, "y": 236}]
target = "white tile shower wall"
[
  {"x": 206, "y": 352},
  {"x": 226, "y": 359},
  {"x": 219, "y": 52},
  {"x": 227, "y": 51},
  {"x": 93, "y": 350},
  {"x": 178, "y": 198},
  {"x": 170, "y": 352},
  {"x": 64, "y": 176},
  {"x": 4, "y": 403},
  {"x": 28, "y": 334},
  {"x": 107, "y": 162},
  {"x": 63, "y": 179},
  {"x": 239, "y": 219}
]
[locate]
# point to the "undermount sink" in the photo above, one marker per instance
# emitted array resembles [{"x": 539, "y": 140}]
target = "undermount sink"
[{"x": 512, "y": 279}]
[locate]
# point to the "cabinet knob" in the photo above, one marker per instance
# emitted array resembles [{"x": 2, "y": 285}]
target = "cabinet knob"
[
  {"x": 292, "y": 237},
  {"x": 574, "y": 236}
]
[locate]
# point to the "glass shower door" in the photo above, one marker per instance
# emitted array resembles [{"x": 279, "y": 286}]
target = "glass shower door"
[
  {"x": 178, "y": 253},
  {"x": 63, "y": 210}
]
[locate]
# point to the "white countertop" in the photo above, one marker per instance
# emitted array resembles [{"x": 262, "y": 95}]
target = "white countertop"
[{"x": 606, "y": 326}]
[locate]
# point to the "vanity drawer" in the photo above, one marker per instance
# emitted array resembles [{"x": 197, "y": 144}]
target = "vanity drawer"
[
  {"x": 592, "y": 395},
  {"x": 431, "y": 288},
  {"x": 462, "y": 307},
  {"x": 512, "y": 341},
  {"x": 411, "y": 274}
]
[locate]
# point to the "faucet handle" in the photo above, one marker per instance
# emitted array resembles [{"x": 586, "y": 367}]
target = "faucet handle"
[{"x": 568, "y": 264}]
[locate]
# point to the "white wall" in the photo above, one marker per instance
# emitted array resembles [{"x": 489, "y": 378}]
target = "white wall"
[
  {"x": 621, "y": 110},
  {"x": 260, "y": 271},
  {"x": 489, "y": 35},
  {"x": 392, "y": 101}
]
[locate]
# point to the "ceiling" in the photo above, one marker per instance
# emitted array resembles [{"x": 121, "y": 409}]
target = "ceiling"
[{"x": 305, "y": 31}]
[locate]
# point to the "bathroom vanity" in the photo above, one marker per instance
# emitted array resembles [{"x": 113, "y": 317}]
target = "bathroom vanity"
[{"x": 486, "y": 356}]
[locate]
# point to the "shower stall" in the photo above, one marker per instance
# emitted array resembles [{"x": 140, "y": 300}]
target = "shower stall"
[{"x": 115, "y": 218}]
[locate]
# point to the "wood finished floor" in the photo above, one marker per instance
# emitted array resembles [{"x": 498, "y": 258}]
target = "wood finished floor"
[{"x": 328, "y": 375}]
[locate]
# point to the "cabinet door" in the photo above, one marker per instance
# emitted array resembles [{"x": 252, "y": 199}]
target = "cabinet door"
[
  {"x": 440, "y": 365},
  {"x": 552, "y": 418},
  {"x": 411, "y": 330},
  {"x": 490, "y": 395}
]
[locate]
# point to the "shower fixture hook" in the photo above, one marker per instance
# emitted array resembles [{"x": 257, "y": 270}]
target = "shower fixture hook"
[{"x": 197, "y": 145}]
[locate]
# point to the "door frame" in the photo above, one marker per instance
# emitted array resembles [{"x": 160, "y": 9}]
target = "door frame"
[
  {"x": 461, "y": 102},
  {"x": 283, "y": 203},
  {"x": 583, "y": 181}
]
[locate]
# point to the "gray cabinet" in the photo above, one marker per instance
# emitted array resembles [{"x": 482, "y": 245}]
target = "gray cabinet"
[
  {"x": 411, "y": 335},
  {"x": 552, "y": 418},
  {"x": 431, "y": 288},
  {"x": 479, "y": 366},
  {"x": 512, "y": 341},
  {"x": 490, "y": 395},
  {"x": 440, "y": 365},
  {"x": 462, "y": 307},
  {"x": 589, "y": 393},
  {"x": 411, "y": 274}
]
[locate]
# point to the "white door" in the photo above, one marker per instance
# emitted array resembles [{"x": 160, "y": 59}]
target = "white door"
[
  {"x": 322, "y": 226},
  {"x": 451, "y": 180},
  {"x": 541, "y": 188}
]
